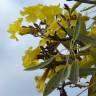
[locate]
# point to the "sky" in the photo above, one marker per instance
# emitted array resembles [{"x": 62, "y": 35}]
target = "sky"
[{"x": 14, "y": 81}]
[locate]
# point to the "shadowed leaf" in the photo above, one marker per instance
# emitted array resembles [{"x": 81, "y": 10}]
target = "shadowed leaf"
[
  {"x": 87, "y": 71},
  {"x": 60, "y": 76},
  {"x": 74, "y": 76}
]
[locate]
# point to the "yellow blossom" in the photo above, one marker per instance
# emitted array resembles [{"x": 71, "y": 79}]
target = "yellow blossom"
[
  {"x": 30, "y": 59},
  {"x": 54, "y": 27},
  {"x": 51, "y": 12},
  {"x": 40, "y": 80},
  {"x": 32, "y": 13},
  {"x": 14, "y": 28}
]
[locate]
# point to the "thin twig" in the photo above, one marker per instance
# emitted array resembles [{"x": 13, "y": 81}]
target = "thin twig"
[{"x": 86, "y": 89}]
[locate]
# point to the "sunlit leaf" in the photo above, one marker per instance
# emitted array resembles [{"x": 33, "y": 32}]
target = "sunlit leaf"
[
  {"x": 87, "y": 61},
  {"x": 92, "y": 33},
  {"x": 83, "y": 24}
]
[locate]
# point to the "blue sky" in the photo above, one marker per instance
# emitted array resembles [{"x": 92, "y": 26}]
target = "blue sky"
[{"x": 14, "y": 81}]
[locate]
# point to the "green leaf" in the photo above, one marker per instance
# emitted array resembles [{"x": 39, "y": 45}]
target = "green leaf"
[
  {"x": 76, "y": 5},
  {"x": 88, "y": 8},
  {"x": 67, "y": 7},
  {"x": 60, "y": 76},
  {"x": 77, "y": 29},
  {"x": 82, "y": 37},
  {"x": 87, "y": 1},
  {"x": 86, "y": 39},
  {"x": 82, "y": 49},
  {"x": 87, "y": 71},
  {"x": 41, "y": 65},
  {"x": 74, "y": 76}
]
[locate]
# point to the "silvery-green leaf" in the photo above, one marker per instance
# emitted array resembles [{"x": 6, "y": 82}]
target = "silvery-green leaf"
[
  {"x": 74, "y": 75},
  {"x": 85, "y": 47},
  {"x": 77, "y": 29},
  {"x": 60, "y": 76}
]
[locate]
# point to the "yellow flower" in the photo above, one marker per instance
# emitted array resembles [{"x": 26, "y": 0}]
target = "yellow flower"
[
  {"x": 40, "y": 84},
  {"x": 32, "y": 13},
  {"x": 54, "y": 27},
  {"x": 27, "y": 30},
  {"x": 14, "y": 28},
  {"x": 40, "y": 80},
  {"x": 51, "y": 12},
  {"x": 30, "y": 59}
]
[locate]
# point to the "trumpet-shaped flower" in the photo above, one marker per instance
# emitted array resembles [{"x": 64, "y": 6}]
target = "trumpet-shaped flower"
[
  {"x": 40, "y": 80},
  {"x": 14, "y": 28},
  {"x": 32, "y": 13},
  {"x": 30, "y": 58}
]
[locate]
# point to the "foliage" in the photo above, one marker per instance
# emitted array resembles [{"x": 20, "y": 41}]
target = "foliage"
[{"x": 55, "y": 26}]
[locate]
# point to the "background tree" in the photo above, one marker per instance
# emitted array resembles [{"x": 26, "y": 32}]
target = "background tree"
[{"x": 54, "y": 26}]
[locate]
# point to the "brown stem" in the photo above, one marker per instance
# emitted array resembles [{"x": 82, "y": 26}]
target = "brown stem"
[{"x": 62, "y": 90}]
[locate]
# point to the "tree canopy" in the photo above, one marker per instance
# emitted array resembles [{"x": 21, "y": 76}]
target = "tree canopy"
[{"x": 55, "y": 26}]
